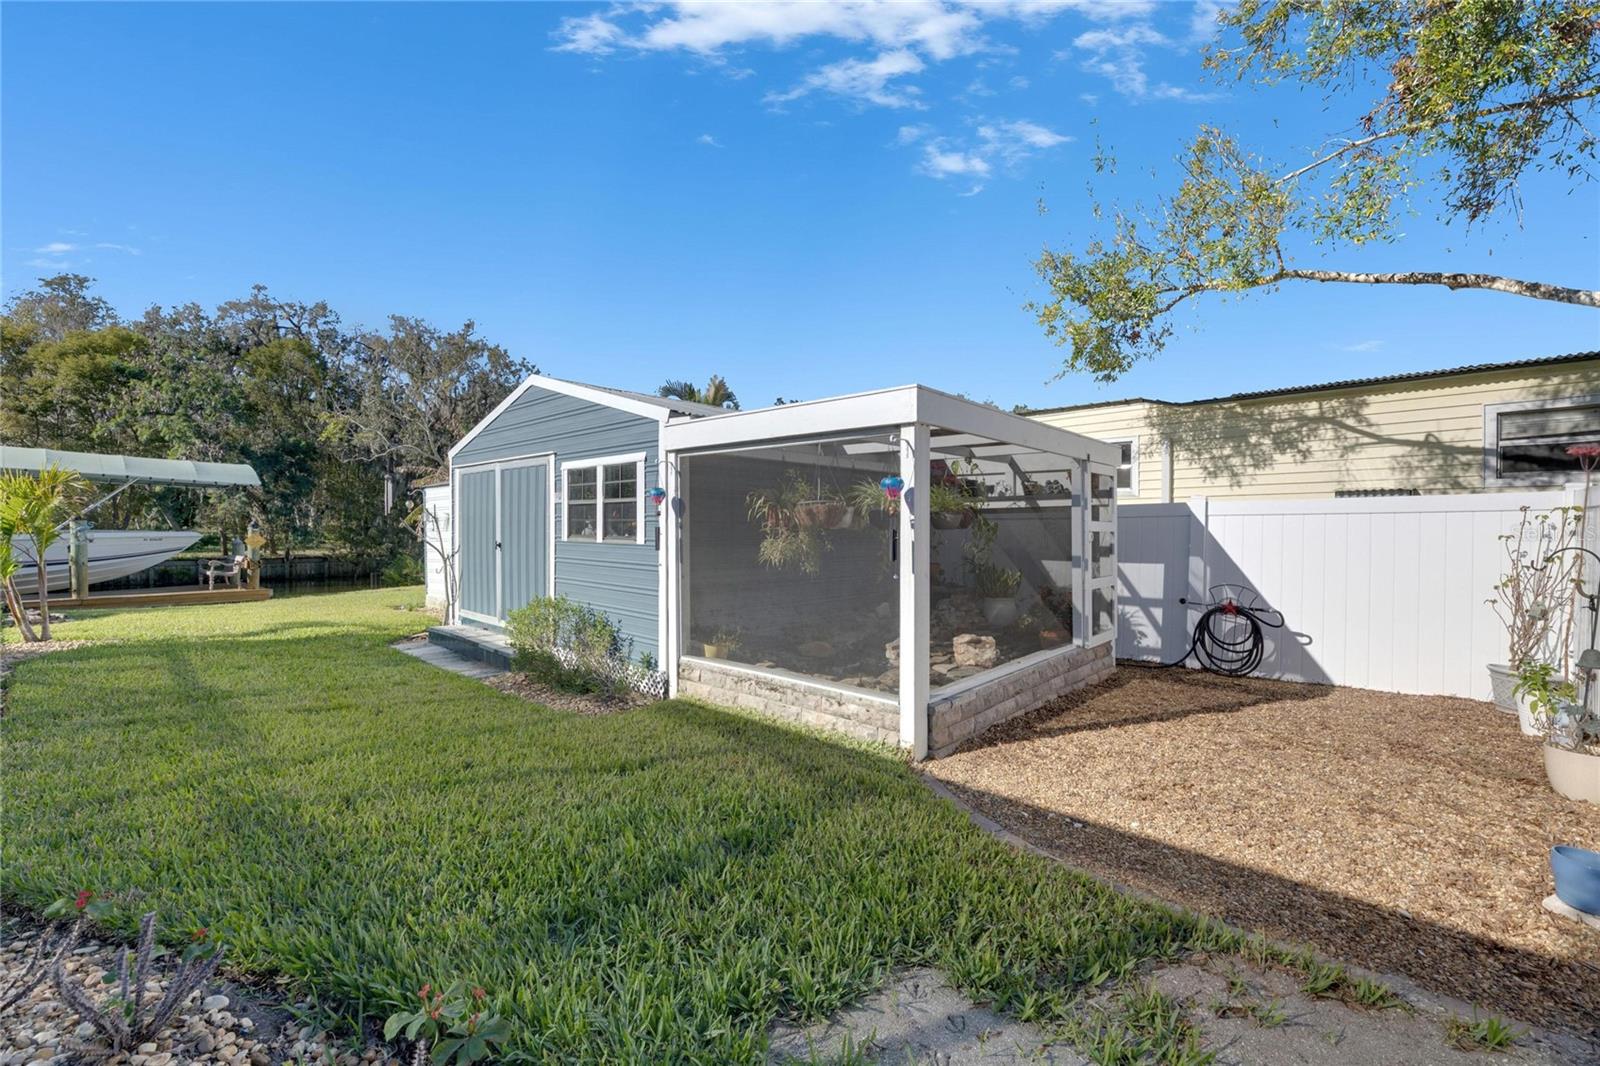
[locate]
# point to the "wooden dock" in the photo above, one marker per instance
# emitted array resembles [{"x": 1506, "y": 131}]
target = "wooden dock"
[{"x": 176, "y": 596}]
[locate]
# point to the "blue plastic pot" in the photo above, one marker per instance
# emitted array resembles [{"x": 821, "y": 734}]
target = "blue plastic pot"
[{"x": 1577, "y": 874}]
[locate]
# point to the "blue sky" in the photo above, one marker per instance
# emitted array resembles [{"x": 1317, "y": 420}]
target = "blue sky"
[{"x": 807, "y": 199}]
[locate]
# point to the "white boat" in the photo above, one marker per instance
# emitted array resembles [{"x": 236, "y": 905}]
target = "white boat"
[{"x": 113, "y": 553}]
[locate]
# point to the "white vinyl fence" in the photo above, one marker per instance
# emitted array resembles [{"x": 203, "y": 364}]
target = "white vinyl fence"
[{"x": 1385, "y": 593}]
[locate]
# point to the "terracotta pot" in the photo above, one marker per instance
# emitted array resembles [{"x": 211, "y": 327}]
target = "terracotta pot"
[
  {"x": 1502, "y": 680},
  {"x": 1573, "y": 774},
  {"x": 819, "y": 514},
  {"x": 1052, "y": 638}
]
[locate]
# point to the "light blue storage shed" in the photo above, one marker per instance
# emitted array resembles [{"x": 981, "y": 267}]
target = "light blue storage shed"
[{"x": 548, "y": 494}]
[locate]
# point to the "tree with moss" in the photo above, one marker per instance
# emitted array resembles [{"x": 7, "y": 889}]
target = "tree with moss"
[{"x": 1465, "y": 97}]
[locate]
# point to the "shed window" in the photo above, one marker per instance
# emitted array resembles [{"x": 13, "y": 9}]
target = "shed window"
[
  {"x": 1526, "y": 443},
  {"x": 603, "y": 499}
]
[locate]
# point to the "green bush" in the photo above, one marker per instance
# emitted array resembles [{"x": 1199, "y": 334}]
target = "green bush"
[
  {"x": 403, "y": 569},
  {"x": 569, "y": 646}
]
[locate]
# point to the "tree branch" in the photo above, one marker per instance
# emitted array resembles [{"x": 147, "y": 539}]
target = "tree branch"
[{"x": 1537, "y": 290}]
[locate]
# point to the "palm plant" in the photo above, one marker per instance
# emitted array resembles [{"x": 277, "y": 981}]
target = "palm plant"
[
  {"x": 716, "y": 393},
  {"x": 32, "y": 507}
]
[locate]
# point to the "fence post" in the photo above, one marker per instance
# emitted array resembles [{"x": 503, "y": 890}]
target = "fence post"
[{"x": 1199, "y": 521}]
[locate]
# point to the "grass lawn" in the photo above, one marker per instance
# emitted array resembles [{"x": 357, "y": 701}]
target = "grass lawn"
[{"x": 655, "y": 885}]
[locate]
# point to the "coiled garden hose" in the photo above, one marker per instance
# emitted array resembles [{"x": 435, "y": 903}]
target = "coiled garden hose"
[{"x": 1230, "y": 638}]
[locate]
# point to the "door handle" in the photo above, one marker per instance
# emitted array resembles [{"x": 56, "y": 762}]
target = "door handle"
[{"x": 496, "y": 545}]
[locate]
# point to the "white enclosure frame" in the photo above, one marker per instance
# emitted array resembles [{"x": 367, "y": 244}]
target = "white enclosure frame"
[{"x": 913, "y": 413}]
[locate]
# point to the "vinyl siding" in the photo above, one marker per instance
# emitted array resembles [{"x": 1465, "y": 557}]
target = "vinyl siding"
[
  {"x": 620, "y": 579},
  {"x": 1425, "y": 435}
]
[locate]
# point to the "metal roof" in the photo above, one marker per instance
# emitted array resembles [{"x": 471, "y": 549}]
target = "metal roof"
[
  {"x": 1351, "y": 383},
  {"x": 94, "y": 467}
]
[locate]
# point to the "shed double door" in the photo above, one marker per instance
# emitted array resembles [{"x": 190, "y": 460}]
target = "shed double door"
[{"x": 504, "y": 526}]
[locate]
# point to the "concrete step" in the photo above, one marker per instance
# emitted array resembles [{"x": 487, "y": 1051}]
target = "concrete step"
[{"x": 470, "y": 642}]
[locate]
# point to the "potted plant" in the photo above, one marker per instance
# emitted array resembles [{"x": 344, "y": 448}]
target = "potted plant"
[
  {"x": 1540, "y": 694},
  {"x": 950, "y": 507},
  {"x": 723, "y": 643},
  {"x": 1532, "y": 598},
  {"x": 997, "y": 592},
  {"x": 870, "y": 505},
  {"x": 1572, "y": 751},
  {"x": 791, "y": 527}
]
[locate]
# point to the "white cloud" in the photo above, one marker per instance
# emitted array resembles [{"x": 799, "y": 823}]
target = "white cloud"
[
  {"x": 56, "y": 248},
  {"x": 911, "y": 134},
  {"x": 1360, "y": 346},
  {"x": 708, "y": 140},
  {"x": 937, "y": 162},
  {"x": 48, "y": 264},
  {"x": 862, "y": 79},
  {"x": 110, "y": 247},
  {"x": 1203, "y": 19},
  {"x": 1118, "y": 56},
  {"x": 1018, "y": 82},
  {"x": 925, "y": 30}
]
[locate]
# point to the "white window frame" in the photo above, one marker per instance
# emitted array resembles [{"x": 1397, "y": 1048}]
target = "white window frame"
[
  {"x": 1491, "y": 441},
  {"x": 598, "y": 465},
  {"x": 1133, "y": 462}
]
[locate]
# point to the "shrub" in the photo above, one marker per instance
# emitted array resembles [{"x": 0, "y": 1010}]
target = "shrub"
[
  {"x": 404, "y": 569},
  {"x": 568, "y": 646}
]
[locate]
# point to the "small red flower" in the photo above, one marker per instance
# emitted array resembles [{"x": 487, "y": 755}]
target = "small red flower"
[
  {"x": 200, "y": 933},
  {"x": 84, "y": 896},
  {"x": 478, "y": 993},
  {"x": 423, "y": 994},
  {"x": 1584, "y": 451}
]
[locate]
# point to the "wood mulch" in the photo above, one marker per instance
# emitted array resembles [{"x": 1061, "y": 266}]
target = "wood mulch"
[
  {"x": 1406, "y": 834},
  {"x": 579, "y": 703}
]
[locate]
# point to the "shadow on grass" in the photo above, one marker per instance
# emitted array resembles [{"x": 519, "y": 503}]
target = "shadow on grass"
[{"x": 1525, "y": 985}]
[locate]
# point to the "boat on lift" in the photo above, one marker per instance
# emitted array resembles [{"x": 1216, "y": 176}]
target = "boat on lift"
[{"x": 113, "y": 553}]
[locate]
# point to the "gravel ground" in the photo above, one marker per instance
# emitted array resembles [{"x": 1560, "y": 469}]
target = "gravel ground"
[
  {"x": 1406, "y": 834},
  {"x": 227, "y": 1024},
  {"x": 579, "y": 703}
]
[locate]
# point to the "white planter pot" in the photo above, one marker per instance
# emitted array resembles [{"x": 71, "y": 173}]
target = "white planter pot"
[
  {"x": 1527, "y": 719},
  {"x": 1574, "y": 774},
  {"x": 1000, "y": 611},
  {"x": 1501, "y": 683}
]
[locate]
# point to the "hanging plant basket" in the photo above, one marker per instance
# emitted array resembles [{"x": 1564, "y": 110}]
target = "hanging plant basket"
[
  {"x": 820, "y": 514},
  {"x": 952, "y": 519},
  {"x": 878, "y": 519}
]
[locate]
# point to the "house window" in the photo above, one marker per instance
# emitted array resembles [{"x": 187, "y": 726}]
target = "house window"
[
  {"x": 1526, "y": 443},
  {"x": 603, "y": 499},
  {"x": 1127, "y": 466}
]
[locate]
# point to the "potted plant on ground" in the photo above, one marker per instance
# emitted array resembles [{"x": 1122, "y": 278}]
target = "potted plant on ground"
[
  {"x": 1540, "y": 694},
  {"x": 1532, "y": 598},
  {"x": 1572, "y": 751},
  {"x": 723, "y": 643},
  {"x": 997, "y": 592}
]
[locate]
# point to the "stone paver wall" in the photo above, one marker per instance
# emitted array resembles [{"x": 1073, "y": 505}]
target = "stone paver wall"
[{"x": 960, "y": 717}]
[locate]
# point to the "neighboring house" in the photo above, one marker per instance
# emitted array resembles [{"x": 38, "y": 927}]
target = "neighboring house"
[{"x": 1469, "y": 429}]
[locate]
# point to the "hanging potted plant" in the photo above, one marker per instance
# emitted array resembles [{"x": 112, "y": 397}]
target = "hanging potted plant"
[
  {"x": 950, "y": 507},
  {"x": 787, "y": 542},
  {"x": 1532, "y": 598},
  {"x": 871, "y": 505}
]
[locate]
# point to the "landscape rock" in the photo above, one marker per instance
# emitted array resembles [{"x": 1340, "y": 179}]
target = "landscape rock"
[{"x": 972, "y": 649}]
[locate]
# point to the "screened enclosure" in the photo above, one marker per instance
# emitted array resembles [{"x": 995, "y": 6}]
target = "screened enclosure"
[{"x": 897, "y": 545}]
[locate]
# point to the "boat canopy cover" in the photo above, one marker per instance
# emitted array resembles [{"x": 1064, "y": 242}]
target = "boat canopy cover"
[{"x": 92, "y": 467}]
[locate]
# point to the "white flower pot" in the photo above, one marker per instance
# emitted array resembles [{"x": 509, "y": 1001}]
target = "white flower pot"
[
  {"x": 1527, "y": 719},
  {"x": 1574, "y": 774},
  {"x": 1501, "y": 683}
]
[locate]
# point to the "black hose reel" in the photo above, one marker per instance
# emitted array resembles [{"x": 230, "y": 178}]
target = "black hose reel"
[{"x": 1230, "y": 636}]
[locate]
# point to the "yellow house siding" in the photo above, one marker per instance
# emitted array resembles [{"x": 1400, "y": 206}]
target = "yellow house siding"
[{"x": 1422, "y": 434}]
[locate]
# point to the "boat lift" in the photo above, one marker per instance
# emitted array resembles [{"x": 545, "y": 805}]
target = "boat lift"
[{"x": 120, "y": 473}]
